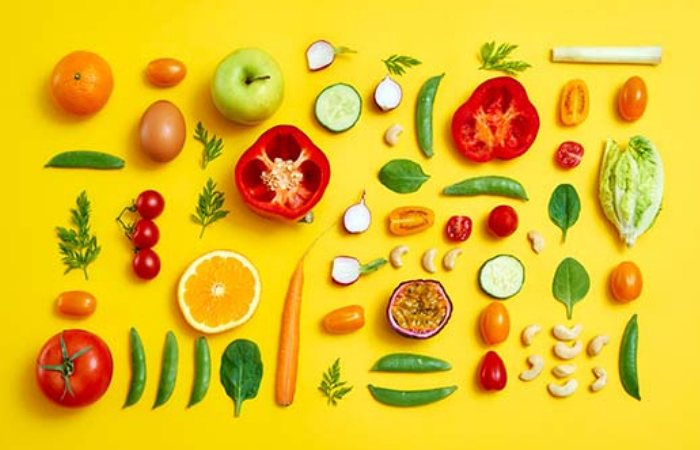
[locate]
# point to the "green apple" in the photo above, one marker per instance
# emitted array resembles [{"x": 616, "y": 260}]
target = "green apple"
[{"x": 248, "y": 86}]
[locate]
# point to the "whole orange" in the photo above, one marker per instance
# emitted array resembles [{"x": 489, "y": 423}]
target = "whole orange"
[{"x": 82, "y": 82}]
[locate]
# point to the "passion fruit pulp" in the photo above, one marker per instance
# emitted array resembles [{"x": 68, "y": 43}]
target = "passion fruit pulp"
[{"x": 419, "y": 309}]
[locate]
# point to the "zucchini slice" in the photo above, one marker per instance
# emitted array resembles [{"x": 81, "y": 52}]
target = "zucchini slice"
[
  {"x": 502, "y": 276},
  {"x": 338, "y": 107}
]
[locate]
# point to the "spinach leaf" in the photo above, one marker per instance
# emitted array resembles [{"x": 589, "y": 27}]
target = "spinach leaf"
[
  {"x": 402, "y": 176},
  {"x": 241, "y": 371},
  {"x": 571, "y": 284},
  {"x": 564, "y": 207}
]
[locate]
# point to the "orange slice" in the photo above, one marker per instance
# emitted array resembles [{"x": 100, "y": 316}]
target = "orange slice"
[{"x": 219, "y": 291}]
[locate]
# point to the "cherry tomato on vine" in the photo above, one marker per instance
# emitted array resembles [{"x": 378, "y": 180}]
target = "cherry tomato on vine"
[
  {"x": 494, "y": 323},
  {"x": 632, "y": 100},
  {"x": 146, "y": 264},
  {"x": 503, "y": 220},
  {"x": 626, "y": 282},
  {"x": 145, "y": 234},
  {"x": 492, "y": 373},
  {"x": 458, "y": 228},
  {"x": 149, "y": 204},
  {"x": 569, "y": 154}
]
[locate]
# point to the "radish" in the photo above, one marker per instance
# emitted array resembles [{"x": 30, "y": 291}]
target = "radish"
[
  {"x": 321, "y": 54},
  {"x": 357, "y": 217},
  {"x": 388, "y": 94},
  {"x": 346, "y": 269}
]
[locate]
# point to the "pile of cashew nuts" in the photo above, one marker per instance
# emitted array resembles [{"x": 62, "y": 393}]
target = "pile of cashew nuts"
[
  {"x": 449, "y": 260},
  {"x": 568, "y": 346}
]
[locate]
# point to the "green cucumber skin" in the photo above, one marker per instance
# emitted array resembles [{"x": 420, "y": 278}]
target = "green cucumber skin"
[
  {"x": 628, "y": 359},
  {"x": 488, "y": 185},
  {"x": 324, "y": 123},
  {"x": 492, "y": 294},
  {"x": 424, "y": 114},
  {"x": 394, "y": 397},
  {"x": 85, "y": 159},
  {"x": 410, "y": 362}
]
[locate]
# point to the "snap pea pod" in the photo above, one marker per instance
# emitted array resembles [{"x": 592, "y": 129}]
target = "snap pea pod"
[
  {"x": 85, "y": 159},
  {"x": 424, "y": 114},
  {"x": 138, "y": 369},
  {"x": 168, "y": 374},
  {"x": 409, "y": 362},
  {"x": 402, "y": 398},
  {"x": 488, "y": 185},
  {"x": 202, "y": 374},
  {"x": 628, "y": 359}
]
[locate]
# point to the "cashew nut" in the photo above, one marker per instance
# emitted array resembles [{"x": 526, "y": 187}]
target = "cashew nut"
[
  {"x": 564, "y": 351},
  {"x": 448, "y": 261},
  {"x": 597, "y": 343},
  {"x": 428, "y": 260},
  {"x": 601, "y": 379},
  {"x": 536, "y": 241},
  {"x": 567, "y": 334},
  {"x": 529, "y": 333},
  {"x": 564, "y": 370},
  {"x": 391, "y": 136},
  {"x": 396, "y": 254},
  {"x": 563, "y": 390},
  {"x": 536, "y": 365}
]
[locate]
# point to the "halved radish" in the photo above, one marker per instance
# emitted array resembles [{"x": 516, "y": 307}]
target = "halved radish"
[
  {"x": 388, "y": 94},
  {"x": 357, "y": 217},
  {"x": 347, "y": 269},
  {"x": 321, "y": 54}
]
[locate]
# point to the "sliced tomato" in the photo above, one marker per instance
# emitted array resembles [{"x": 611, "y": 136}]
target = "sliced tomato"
[
  {"x": 574, "y": 104},
  {"x": 569, "y": 154},
  {"x": 283, "y": 174},
  {"x": 406, "y": 220},
  {"x": 497, "y": 121}
]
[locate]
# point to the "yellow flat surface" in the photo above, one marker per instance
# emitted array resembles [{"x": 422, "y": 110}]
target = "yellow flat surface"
[{"x": 445, "y": 36}]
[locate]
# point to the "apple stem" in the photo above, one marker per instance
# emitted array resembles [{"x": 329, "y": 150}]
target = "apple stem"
[{"x": 252, "y": 80}]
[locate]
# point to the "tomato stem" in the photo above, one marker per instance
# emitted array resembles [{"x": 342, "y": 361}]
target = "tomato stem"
[{"x": 67, "y": 366}]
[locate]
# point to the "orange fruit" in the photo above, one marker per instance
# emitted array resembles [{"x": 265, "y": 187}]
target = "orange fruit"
[
  {"x": 82, "y": 82},
  {"x": 219, "y": 291}
]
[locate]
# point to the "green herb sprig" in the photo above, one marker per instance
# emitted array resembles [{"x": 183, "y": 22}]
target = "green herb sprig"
[
  {"x": 212, "y": 147},
  {"x": 397, "y": 64},
  {"x": 77, "y": 246},
  {"x": 331, "y": 386},
  {"x": 494, "y": 58},
  {"x": 209, "y": 207}
]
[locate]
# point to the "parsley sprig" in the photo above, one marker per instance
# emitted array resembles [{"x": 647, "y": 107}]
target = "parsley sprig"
[
  {"x": 212, "y": 147},
  {"x": 331, "y": 386},
  {"x": 494, "y": 58},
  {"x": 77, "y": 246},
  {"x": 209, "y": 207},
  {"x": 397, "y": 64}
]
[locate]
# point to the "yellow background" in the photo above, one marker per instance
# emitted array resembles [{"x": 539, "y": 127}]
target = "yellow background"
[{"x": 445, "y": 36}]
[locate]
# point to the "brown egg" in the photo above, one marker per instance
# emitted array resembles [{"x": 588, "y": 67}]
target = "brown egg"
[{"x": 162, "y": 131}]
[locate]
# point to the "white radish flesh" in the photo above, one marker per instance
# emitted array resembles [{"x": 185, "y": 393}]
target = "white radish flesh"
[
  {"x": 319, "y": 55},
  {"x": 611, "y": 55},
  {"x": 388, "y": 94},
  {"x": 345, "y": 270},
  {"x": 357, "y": 218}
]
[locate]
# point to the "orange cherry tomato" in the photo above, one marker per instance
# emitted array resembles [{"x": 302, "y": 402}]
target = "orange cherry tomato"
[
  {"x": 344, "y": 320},
  {"x": 165, "y": 72},
  {"x": 410, "y": 219},
  {"x": 76, "y": 303},
  {"x": 632, "y": 101},
  {"x": 494, "y": 323},
  {"x": 573, "y": 108},
  {"x": 626, "y": 282}
]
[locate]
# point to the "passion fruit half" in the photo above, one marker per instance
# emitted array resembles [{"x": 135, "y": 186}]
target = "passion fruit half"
[{"x": 419, "y": 309}]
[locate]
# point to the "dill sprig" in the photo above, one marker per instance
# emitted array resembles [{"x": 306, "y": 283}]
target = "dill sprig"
[
  {"x": 209, "y": 206},
  {"x": 494, "y": 58},
  {"x": 77, "y": 246},
  {"x": 212, "y": 147},
  {"x": 331, "y": 386},
  {"x": 397, "y": 64}
]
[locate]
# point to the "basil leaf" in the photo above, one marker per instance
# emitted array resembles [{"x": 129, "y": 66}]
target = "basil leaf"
[
  {"x": 402, "y": 176},
  {"x": 564, "y": 207},
  {"x": 241, "y": 371},
  {"x": 571, "y": 284}
]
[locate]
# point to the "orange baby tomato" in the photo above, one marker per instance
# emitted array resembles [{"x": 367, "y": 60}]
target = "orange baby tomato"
[
  {"x": 626, "y": 282},
  {"x": 632, "y": 100},
  {"x": 494, "y": 323},
  {"x": 76, "y": 303},
  {"x": 165, "y": 72},
  {"x": 344, "y": 320}
]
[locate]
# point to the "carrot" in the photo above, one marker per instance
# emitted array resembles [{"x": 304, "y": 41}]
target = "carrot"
[{"x": 288, "y": 355}]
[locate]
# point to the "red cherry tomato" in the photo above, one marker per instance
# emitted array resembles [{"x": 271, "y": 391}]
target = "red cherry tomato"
[
  {"x": 632, "y": 100},
  {"x": 74, "y": 368},
  {"x": 503, "y": 221},
  {"x": 149, "y": 204},
  {"x": 492, "y": 373},
  {"x": 458, "y": 228},
  {"x": 146, "y": 264},
  {"x": 569, "y": 154},
  {"x": 145, "y": 234}
]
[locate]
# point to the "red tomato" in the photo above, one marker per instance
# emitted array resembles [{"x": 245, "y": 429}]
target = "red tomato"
[
  {"x": 344, "y": 320},
  {"x": 146, "y": 264},
  {"x": 74, "y": 368},
  {"x": 283, "y": 174},
  {"x": 145, "y": 234},
  {"x": 149, "y": 204},
  {"x": 165, "y": 72},
  {"x": 569, "y": 154},
  {"x": 626, "y": 282},
  {"x": 494, "y": 323},
  {"x": 497, "y": 121},
  {"x": 503, "y": 221},
  {"x": 632, "y": 100},
  {"x": 458, "y": 228},
  {"x": 492, "y": 373}
]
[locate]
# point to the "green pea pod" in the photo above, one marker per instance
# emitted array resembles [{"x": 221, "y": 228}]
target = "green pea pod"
[
  {"x": 85, "y": 159},
  {"x": 487, "y": 185},
  {"x": 409, "y": 362},
  {"x": 138, "y": 369},
  {"x": 424, "y": 114},
  {"x": 401, "y": 398},
  {"x": 168, "y": 374},
  {"x": 628, "y": 359},
  {"x": 202, "y": 374}
]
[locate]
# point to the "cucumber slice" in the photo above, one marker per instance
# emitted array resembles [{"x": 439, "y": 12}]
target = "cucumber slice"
[
  {"x": 502, "y": 276},
  {"x": 338, "y": 107}
]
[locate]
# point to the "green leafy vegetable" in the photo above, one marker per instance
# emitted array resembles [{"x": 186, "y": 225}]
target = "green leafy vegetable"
[
  {"x": 397, "y": 64},
  {"x": 564, "y": 207},
  {"x": 212, "y": 147},
  {"x": 494, "y": 58},
  {"x": 241, "y": 371},
  {"x": 331, "y": 386},
  {"x": 571, "y": 284},
  {"x": 209, "y": 206},
  {"x": 402, "y": 176},
  {"x": 77, "y": 246}
]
